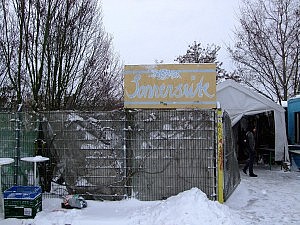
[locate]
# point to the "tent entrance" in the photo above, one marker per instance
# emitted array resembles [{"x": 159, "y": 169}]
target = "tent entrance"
[{"x": 264, "y": 137}]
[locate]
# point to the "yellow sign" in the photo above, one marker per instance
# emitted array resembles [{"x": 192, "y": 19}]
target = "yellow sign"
[{"x": 170, "y": 86}]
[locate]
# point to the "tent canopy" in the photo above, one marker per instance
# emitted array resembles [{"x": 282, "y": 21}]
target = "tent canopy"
[{"x": 238, "y": 101}]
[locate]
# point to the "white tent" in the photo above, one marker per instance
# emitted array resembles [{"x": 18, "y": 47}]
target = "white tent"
[{"x": 238, "y": 101}]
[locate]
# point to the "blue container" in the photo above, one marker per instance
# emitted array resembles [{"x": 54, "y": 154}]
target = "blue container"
[
  {"x": 22, "y": 201},
  {"x": 292, "y": 109},
  {"x": 22, "y": 192}
]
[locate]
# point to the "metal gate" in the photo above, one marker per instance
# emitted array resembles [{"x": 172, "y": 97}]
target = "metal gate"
[{"x": 231, "y": 166}]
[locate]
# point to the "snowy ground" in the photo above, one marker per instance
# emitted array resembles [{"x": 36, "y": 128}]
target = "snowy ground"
[{"x": 271, "y": 198}]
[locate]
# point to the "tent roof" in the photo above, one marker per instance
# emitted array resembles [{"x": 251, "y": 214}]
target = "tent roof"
[
  {"x": 233, "y": 96},
  {"x": 236, "y": 88}
]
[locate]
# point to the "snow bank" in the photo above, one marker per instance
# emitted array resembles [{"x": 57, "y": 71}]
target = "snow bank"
[
  {"x": 191, "y": 207},
  {"x": 187, "y": 208}
]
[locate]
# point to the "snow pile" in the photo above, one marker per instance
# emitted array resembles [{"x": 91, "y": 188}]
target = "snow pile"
[
  {"x": 191, "y": 207},
  {"x": 271, "y": 198}
]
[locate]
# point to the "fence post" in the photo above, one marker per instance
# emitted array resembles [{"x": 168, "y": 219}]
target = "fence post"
[
  {"x": 220, "y": 158},
  {"x": 128, "y": 151},
  {"x": 18, "y": 144}
]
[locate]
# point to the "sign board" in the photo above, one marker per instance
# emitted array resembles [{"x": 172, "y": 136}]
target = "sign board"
[{"x": 170, "y": 86}]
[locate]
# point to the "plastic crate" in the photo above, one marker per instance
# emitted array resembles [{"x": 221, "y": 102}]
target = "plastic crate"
[
  {"x": 22, "y": 192},
  {"x": 22, "y": 201},
  {"x": 22, "y": 212}
]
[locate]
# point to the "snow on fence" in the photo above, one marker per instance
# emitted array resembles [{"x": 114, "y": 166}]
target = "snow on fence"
[{"x": 148, "y": 154}]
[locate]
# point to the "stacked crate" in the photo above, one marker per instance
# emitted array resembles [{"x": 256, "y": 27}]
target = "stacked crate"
[{"x": 22, "y": 201}]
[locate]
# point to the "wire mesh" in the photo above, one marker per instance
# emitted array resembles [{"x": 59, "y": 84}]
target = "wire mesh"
[
  {"x": 231, "y": 167},
  {"x": 173, "y": 151},
  {"x": 87, "y": 153},
  {"x": 17, "y": 140},
  {"x": 149, "y": 154}
]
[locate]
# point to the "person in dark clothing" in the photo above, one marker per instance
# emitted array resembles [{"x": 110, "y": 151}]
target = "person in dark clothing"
[{"x": 250, "y": 146}]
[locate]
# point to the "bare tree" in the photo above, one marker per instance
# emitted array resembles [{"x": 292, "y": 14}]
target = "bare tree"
[
  {"x": 198, "y": 54},
  {"x": 11, "y": 49},
  {"x": 52, "y": 50},
  {"x": 267, "y": 47},
  {"x": 103, "y": 84}
]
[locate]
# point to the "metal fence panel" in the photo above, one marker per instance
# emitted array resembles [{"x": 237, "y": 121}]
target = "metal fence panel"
[
  {"x": 231, "y": 166},
  {"x": 18, "y": 135},
  {"x": 87, "y": 152},
  {"x": 150, "y": 154},
  {"x": 173, "y": 151}
]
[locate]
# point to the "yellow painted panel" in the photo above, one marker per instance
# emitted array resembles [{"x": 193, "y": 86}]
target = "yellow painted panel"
[
  {"x": 220, "y": 161},
  {"x": 170, "y": 86}
]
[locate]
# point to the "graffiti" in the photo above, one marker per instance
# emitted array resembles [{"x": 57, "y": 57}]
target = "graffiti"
[{"x": 181, "y": 90}]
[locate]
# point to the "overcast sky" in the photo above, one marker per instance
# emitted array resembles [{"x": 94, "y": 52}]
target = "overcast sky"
[{"x": 149, "y": 30}]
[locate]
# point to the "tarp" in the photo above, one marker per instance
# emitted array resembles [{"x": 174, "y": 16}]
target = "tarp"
[{"x": 238, "y": 101}]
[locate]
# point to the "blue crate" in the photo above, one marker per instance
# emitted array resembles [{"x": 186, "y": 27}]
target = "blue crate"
[
  {"x": 22, "y": 192},
  {"x": 22, "y": 201}
]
